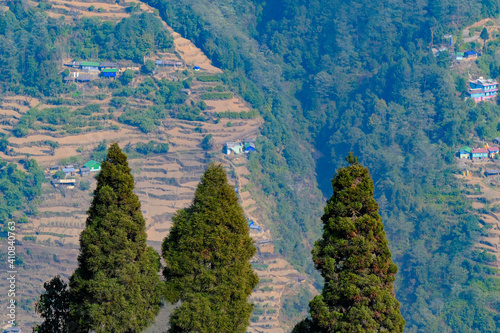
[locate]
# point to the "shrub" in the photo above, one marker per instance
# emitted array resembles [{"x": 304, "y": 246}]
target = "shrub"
[{"x": 216, "y": 95}]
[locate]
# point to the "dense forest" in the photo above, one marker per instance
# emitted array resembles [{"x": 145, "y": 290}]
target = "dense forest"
[
  {"x": 359, "y": 76},
  {"x": 19, "y": 189},
  {"x": 32, "y": 45}
]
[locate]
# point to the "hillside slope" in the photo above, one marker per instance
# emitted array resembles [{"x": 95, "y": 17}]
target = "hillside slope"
[{"x": 165, "y": 181}]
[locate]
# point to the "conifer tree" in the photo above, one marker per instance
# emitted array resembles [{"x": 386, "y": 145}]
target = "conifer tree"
[
  {"x": 116, "y": 287},
  {"x": 53, "y": 307},
  {"x": 207, "y": 257},
  {"x": 354, "y": 258}
]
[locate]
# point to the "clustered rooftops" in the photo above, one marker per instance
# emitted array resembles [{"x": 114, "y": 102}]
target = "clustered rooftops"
[{"x": 484, "y": 82}]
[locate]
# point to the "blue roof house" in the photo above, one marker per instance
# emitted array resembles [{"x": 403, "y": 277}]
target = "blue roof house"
[
  {"x": 249, "y": 147},
  {"x": 470, "y": 54},
  {"x": 68, "y": 171}
]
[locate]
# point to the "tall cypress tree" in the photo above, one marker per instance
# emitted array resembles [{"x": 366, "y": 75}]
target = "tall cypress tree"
[
  {"x": 354, "y": 258},
  {"x": 116, "y": 287},
  {"x": 207, "y": 257}
]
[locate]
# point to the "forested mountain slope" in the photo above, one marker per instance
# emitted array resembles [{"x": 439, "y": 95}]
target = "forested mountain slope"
[
  {"x": 359, "y": 76},
  {"x": 171, "y": 121}
]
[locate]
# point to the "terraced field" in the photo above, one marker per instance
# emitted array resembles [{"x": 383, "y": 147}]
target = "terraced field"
[
  {"x": 485, "y": 195},
  {"x": 164, "y": 182}
]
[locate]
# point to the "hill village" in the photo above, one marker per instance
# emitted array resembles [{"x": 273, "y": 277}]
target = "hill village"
[{"x": 86, "y": 71}]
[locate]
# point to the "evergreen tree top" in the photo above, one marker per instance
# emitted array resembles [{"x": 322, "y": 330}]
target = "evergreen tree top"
[
  {"x": 354, "y": 258},
  {"x": 207, "y": 257},
  {"x": 116, "y": 287}
]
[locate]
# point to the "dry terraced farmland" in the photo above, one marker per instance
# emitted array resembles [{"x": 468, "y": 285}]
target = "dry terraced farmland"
[{"x": 165, "y": 182}]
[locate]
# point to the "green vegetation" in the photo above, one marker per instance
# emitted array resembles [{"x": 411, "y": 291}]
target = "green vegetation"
[
  {"x": 207, "y": 257},
  {"x": 152, "y": 147},
  {"x": 60, "y": 118},
  {"x": 216, "y": 95},
  {"x": 238, "y": 115},
  {"x": 53, "y": 307},
  {"x": 354, "y": 259},
  {"x": 208, "y": 78},
  {"x": 19, "y": 189},
  {"x": 206, "y": 143},
  {"x": 116, "y": 287},
  {"x": 30, "y": 57}
]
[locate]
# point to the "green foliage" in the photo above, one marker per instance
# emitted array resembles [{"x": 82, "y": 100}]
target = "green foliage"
[
  {"x": 127, "y": 77},
  {"x": 208, "y": 78},
  {"x": 30, "y": 57},
  {"x": 19, "y": 189},
  {"x": 145, "y": 119},
  {"x": 4, "y": 143},
  {"x": 354, "y": 259},
  {"x": 59, "y": 174},
  {"x": 206, "y": 143},
  {"x": 53, "y": 307},
  {"x": 132, "y": 38},
  {"x": 84, "y": 185},
  {"x": 149, "y": 66},
  {"x": 152, "y": 147},
  {"x": 116, "y": 287},
  {"x": 58, "y": 117},
  {"x": 207, "y": 257},
  {"x": 484, "y": 34},
  {"x": 216, "y": 95},
  {"x": 189, "y": 113},
  {"x": 100, "y": 152},
  {"x": 238, "y": 115}
]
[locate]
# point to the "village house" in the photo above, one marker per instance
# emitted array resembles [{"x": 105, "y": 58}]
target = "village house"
[
  {"x": 69, "y": 171},
  {"x": 90, "y": 65},
  {"x": 84, "y": 77},
  {"x": 496, "y": 140},
  {"x": 108, "y": 65},
  {"x": 464, "y": 152},
  {"x": 492, "y": 151},
  {"x": 253, "y": 226},
  {"x": 169, "y": 63},
  {"x": 93, "y": 166},
  {"x": 479, "y": 154},
  {"x": 67, "y": 183},
  {"x": 84, "y": 171},
  {"x": 249, "y": 146},
  {"x": 492, "y": 172},
  {"x": 109, "y": 72},
  {"x": 470, "y": 55},
  {"x": 73, "y": 64},
  {"x": 459, "y": 56},
  {"x": 482, "y": 89},
  {"x": 234, "y": 147}
]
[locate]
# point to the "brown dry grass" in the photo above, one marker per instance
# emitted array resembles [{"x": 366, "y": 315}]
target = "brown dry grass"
[{"x": 234, "y": 104}]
